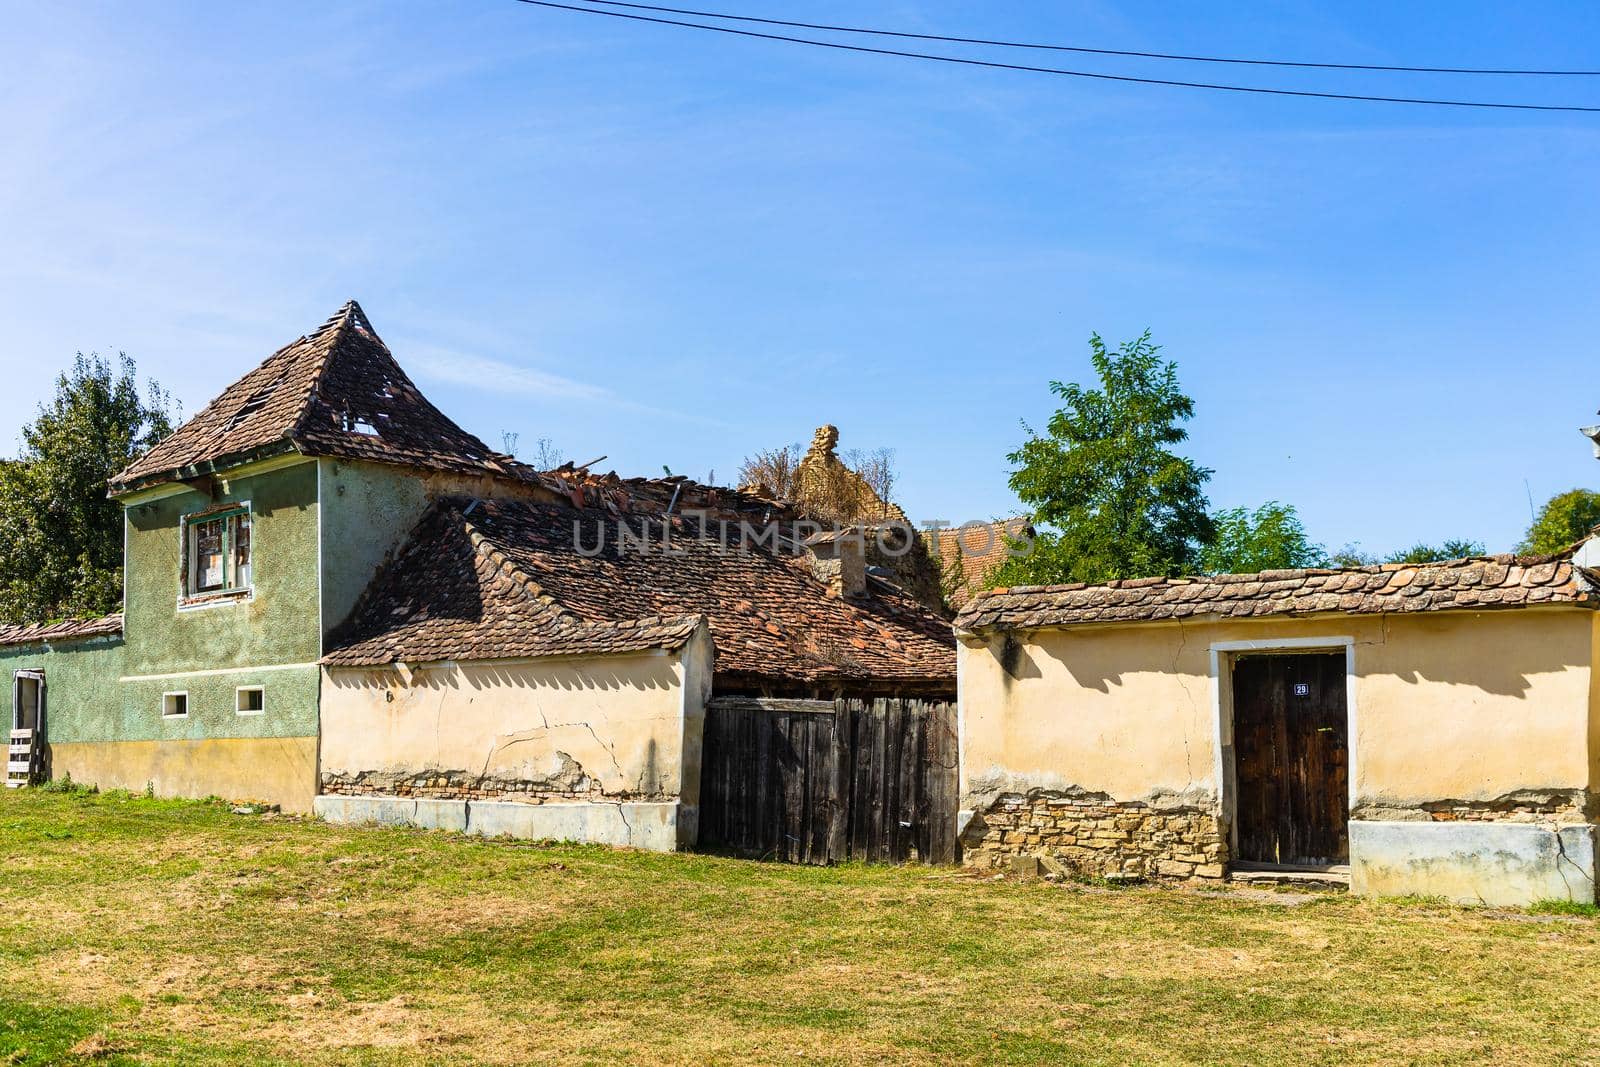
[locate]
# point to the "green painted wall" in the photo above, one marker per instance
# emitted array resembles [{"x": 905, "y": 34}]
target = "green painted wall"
[
  {"x": 278, "y": 624},
  {"x": 368, "y": 510},
  {"x": 319, "y": 530},
  {"x": 81, "y": 689},
  {"x": 103, "y": 690},
  {"x": 272, "y": 639},
  {"x": 291, "y": 697}
]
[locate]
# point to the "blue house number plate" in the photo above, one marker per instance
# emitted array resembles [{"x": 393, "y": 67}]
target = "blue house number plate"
[{"x": 1302, "y": 689}]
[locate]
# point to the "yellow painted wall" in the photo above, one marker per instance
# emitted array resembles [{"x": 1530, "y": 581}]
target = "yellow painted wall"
[
  {"x": 277, "y": 770},
  {"x": 1453, "y": 705},
  {"x": 623, "y": 719}
]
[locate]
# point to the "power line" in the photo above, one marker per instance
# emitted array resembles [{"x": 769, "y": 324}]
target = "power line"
[
  {"x": 1059, "y": 71},
  {"x": 1085, "y": 50}
]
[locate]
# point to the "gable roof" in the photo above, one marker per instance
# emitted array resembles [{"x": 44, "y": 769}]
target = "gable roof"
[
  {"x": 505, "y": 578},
  {"x": 335, "y": 392},
  {"x": 1476, "y": 583},
  {"x": 452, "y": 593}
]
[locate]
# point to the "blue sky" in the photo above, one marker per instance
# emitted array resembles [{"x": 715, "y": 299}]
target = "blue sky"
[{"x": 673, "y": 247}]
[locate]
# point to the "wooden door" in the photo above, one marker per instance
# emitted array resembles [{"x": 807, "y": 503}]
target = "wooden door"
[{"x": 1292, "y": 753}]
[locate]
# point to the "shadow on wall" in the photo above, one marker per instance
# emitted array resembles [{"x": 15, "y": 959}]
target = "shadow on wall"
[
  {"x": 1499, "y": 656},
  {"x": 1015, "y": 659},
  {"x": 1490, "y": 656},
  {"x": 633, "y": 672},
  {"x": 625, "y": 673}
]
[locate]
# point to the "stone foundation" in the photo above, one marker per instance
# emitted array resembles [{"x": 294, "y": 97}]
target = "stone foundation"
[
  {"x": 560, "y": 788},
  {"x": 1097, "y": 836},
  {"x": 1556, "y": 807}
]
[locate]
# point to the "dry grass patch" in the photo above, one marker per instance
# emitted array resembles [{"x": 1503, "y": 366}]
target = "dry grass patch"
[{"x": 151, "y": 931}]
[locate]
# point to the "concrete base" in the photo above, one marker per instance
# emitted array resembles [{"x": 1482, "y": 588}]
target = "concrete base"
[
  {"x": 394, "y": 811},
  {"x": 659, "y": 827},
  {"x": 1473, "y": 862}
]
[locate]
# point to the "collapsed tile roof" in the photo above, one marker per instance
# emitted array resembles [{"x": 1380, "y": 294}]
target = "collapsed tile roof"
[
  {"x": 335, "y": 392},
  {"x": 503, "y": 579},
  {"x": 66, "y": 630},
  {"x": 452, "y": 593},
  {"x": 1476, "y": 583}
]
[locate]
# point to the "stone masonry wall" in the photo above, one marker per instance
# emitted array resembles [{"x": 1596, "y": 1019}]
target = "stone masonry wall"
[
  {"x": 1548, "y": 807},
  {"x": 1095, "y": 835},
  {"x": 467, "y": 785}
]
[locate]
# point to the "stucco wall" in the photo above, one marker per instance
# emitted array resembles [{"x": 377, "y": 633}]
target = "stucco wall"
[
  {"x": 370, "y": 508},
  {"x": 275, "y": 770},
  {"x": 1471, "y": 706},
  {"x": 277, "y": 625},
  {"x": 105, "y": 723},
  {"x": 109, "y": 733},
  {"x": 1461, "y": 720},
  {"x": 598, "y": 729},
  {"x": 80, "y": 680},
  {"x": 80, "y": 686}
]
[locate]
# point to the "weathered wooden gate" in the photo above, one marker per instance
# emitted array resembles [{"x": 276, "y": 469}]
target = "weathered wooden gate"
[{"x": 812, "y": 781}]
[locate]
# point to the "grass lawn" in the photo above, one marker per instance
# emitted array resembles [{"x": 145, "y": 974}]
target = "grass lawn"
[{"x": 139, "y": 930}]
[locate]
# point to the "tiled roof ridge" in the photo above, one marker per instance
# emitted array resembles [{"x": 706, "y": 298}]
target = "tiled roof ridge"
[
  {"x": 485, "y": 547},
  {"x": 544, "y": 626},
  {"x": 1506, "y": 580},
  {"x": 565, "y": 617},
  {"x": 1286, "y": 574},
  {"x": 73, "y": 629},
  {"x": 327, "y": 338}
]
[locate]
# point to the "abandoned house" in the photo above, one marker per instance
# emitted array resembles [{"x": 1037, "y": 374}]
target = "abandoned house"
[
  {"x": 1426, "y": 729},
  {"x": 337, "y": 599}
]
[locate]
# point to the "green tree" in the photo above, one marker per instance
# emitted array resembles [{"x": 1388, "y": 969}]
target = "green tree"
[
  {"x": 60, "y": 537},
  {"x": 1351, "y": 555},
  {"x": 1269, "y": 538},
  {"x": 1422, "y": 552},
  {"x": 1564, "y": 519},
  {"x": 1116, "y": 500}
]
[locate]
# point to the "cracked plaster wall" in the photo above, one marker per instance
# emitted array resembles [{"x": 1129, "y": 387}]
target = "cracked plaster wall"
[{"x": 564, "y": 729}]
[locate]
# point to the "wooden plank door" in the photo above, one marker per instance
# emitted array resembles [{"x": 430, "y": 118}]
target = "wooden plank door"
[
  {"x": 822, "y": 782},
  {"x": 1292, "y": 753}
]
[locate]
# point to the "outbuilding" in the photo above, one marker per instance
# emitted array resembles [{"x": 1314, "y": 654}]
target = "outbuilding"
[{"x": 1428, "y": 729}]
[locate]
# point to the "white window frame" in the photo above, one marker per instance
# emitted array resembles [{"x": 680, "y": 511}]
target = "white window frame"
[
  {"x": 188, "y": 600},
  {"x": 184, "y": 714},
  {"x": 243, "y": 689},
  {"x": 35, "y": 675}
]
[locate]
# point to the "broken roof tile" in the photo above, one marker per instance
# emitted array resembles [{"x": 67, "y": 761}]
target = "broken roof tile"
[
  {"x": 335, "y": 392},
  {"x": 769, "y": 616}
]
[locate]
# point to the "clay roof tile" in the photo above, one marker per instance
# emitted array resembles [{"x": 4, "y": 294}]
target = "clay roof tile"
[{"x": 1391, "y": 587}]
